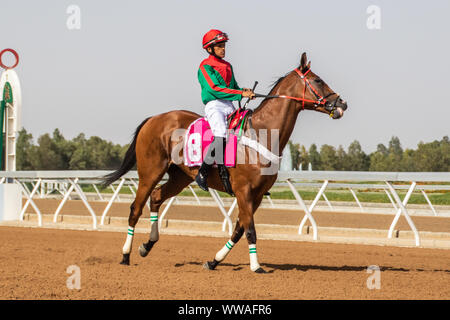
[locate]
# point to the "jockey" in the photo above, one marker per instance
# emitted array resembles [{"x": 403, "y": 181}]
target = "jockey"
[{"x": 219, "y": 89}]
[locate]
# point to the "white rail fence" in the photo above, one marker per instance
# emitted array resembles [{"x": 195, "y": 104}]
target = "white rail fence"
[{"x": 66, "y": 183}]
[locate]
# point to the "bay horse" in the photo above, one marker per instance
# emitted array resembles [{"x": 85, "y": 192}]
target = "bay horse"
[{"x": 152, "y": 150}]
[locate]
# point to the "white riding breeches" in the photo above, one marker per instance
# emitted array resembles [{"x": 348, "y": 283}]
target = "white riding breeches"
[{"x": 216, "y": 113}]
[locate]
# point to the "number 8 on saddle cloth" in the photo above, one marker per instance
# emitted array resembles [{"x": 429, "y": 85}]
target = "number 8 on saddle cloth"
[{"x": 199, "y": 136}]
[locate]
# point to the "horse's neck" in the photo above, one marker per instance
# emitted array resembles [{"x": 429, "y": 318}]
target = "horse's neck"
[{"x": 278, "y": 113}]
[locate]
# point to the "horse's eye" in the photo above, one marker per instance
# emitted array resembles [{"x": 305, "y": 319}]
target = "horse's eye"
[{"x": 318, "y": 80}]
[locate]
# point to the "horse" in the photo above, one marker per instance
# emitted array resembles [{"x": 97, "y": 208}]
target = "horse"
[{"x": 153, "y": 150}]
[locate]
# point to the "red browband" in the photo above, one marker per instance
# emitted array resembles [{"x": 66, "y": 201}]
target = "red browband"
[{"x": 321, "y": 100}]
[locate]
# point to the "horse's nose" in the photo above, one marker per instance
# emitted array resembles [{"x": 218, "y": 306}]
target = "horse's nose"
[
  {"x": 338, "y": 113},
  {"x": 343, "y": 104}
]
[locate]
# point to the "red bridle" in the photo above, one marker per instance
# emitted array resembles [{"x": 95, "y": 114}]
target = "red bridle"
[{"x": 320, "y": 99}]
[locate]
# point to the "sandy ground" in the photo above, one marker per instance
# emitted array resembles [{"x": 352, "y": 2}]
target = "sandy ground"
[{"x": 34, "y": 261}]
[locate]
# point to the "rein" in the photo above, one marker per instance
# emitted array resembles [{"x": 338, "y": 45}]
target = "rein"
[{"x": 320, "y": 99}]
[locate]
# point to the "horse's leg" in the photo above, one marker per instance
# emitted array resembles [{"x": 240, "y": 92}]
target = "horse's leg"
[
  {"x": 147, "y": 182},
  {"x": 248, "y": 203},
  {"x": 177, "y": 181},
  {"x": 250, "y": 233},
  {"x": 245, "y": 223},
  {"x": 222, "y": 253}
]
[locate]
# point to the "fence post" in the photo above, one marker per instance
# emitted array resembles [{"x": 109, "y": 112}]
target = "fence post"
[
  {"x": 66, "y": 196},
  {"x": 216, "y": 197},
  {"x": 30, "y": 200},
  {"x": 116, "y": 192},
  {"x": 403, "y": 209},
  {"x": 429, "y": 202},
  {"x": 357, "y": 200},
  {"x": 308, "y": 214}
]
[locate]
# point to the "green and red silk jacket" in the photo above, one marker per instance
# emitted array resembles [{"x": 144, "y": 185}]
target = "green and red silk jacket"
[{"x": 217, "y": 80}]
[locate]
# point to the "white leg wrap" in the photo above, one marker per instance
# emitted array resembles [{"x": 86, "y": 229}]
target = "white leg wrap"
[
  {"x": 224, "y": 251},
  {"x": 154, "y": 230},
  {"x": 254, "y": 265},
  {"x": 128, "y": 243}
]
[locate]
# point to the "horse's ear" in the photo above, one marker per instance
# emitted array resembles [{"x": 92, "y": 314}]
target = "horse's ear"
[
  {"x": 309, "y": 65},
  {"x": 303, "y": 60}
]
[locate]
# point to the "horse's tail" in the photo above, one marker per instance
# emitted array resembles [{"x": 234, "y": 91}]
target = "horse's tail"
[{"x": 128, "y": 162}]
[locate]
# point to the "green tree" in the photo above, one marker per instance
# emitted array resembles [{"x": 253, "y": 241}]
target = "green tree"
[
  {"x": 56, "y": 153},
  {"x": 381, "y": 148},
  {"x": 395, "y": 154},
  {"x": 357, "y": 159},
  {"x": 328, "y": 158},
  {"x": 433, "y": 156},
  {"x": 408, "y": 163},
  {"x": 46, "y": 156},
  {"x": 445, "y": 151},
  {"x": 24, "y": 150},
  {"x": 342, "y": 160},
  {"x": 105, "y": 155},
  {"x": 295, "y": 154},
  {"x": 304, "y": 158},
  {"x": 314, "y": 157},
  {"x": 379, "y": 159},
  {"x": 80, "y": 157},
  {"x": 63, "y": 147},
  {"x": 95, "y": 154}
]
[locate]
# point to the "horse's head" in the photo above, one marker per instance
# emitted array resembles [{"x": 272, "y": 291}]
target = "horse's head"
[{"x": 317, "y": 95}]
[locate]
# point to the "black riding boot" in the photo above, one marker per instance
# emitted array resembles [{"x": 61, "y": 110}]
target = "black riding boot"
[
  {"x": 225, "y": 176},
  {"x": 218, "y": 144},
  {"x": 202, "y": 175}
]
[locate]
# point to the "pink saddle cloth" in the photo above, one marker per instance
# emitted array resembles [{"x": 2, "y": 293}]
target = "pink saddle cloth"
[{"x": 197, "y": 140}]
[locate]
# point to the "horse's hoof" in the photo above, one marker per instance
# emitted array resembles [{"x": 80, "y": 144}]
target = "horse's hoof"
[
  {"x": 260, "y": 270},
  {"x": 142, "y": 251},
  {"x": 126, "y": 260},
  {"x": 145, "y": 248},
  {"x": 210, "y": 265}
]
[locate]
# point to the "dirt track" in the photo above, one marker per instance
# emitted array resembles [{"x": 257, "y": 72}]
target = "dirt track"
[{"x": 33, "y": 263}]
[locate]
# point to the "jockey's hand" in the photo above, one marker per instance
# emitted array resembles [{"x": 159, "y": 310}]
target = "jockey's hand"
[{"x": 248, "y": 93}]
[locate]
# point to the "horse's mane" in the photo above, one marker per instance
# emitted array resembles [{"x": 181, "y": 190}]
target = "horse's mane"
[{"x": 272, "y": 86}]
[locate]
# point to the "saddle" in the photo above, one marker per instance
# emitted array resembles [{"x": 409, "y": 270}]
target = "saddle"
[
  {"x": 199, "y": 136},
  {"x": 237, "y": 117}
]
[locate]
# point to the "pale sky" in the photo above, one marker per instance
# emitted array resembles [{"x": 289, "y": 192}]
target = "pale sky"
[{"x": 133, "y": 59}]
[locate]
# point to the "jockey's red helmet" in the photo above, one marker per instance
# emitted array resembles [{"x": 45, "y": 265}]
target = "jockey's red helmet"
[{"x": 214, "y": 36}]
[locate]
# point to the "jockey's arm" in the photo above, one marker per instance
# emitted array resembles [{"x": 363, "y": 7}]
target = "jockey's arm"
[{"x": 246, "y": 93}]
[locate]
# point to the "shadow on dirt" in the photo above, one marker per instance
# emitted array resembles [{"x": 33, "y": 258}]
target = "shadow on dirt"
[
  {"x": 298, "y": 267},
  {"x": 235, "y": 267}
]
